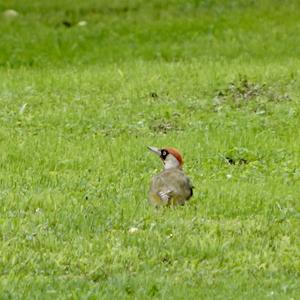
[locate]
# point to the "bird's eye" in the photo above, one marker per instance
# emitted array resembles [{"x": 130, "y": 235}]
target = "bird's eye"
[{"x": 164, "y": 154}]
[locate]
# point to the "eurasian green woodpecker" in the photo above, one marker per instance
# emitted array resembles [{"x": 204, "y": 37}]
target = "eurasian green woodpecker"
[{"x": 171, "y": 186}]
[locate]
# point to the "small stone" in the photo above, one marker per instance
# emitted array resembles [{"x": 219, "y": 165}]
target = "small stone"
[
  {"x": 133, "y": 230},
  {"x": 82, "y": 23},
  {"x": 10, "y": 13}
]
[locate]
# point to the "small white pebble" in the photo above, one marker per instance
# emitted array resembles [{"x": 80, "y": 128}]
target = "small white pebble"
[
  {"x": 10, "y": 13},
  {"x": 82, "y": 23},
  {"x": 133, "y": 230}
]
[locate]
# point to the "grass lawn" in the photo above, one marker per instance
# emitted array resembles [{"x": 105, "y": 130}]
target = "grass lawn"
[{"x": 217, "y": 79}]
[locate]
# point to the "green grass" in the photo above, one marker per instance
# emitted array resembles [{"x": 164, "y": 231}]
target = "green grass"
[{"x": 79, "y": 105}]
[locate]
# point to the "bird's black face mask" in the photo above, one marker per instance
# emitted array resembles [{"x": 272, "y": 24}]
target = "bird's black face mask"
[{"x": 163, "y": 154}]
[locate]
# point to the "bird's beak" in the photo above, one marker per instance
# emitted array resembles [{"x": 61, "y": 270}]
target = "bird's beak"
[{"x": 154, "y": 150}]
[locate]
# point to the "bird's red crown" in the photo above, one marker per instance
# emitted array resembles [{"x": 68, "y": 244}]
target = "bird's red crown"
[{"x": 175, "y": 153}]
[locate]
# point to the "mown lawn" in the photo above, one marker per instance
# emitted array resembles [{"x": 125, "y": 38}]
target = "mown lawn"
[{"x": 219, "y": 80}]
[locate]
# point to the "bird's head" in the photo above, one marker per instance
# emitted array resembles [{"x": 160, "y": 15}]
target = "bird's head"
[{"x": 170, "y": 157}]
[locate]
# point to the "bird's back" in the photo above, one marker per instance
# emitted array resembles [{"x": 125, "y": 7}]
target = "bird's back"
[{"x": 170, "y": 187}]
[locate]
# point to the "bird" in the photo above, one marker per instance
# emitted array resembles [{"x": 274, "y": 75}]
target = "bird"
[{"x": 171, "y": 186}]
